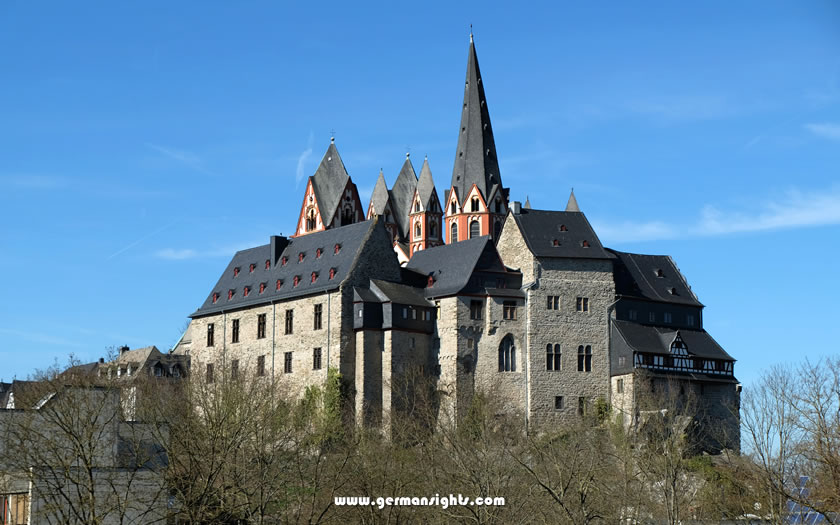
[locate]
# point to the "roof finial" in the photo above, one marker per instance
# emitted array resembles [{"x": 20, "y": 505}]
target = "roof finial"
[
  {"x": 572, "y": 205},
  {"x": 471, "y": 35},
  {"x": 332, "y": 136}
]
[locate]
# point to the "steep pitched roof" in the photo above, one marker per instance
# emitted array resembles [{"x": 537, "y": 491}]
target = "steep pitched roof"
[
  {"x": 656, "y": 339},
  {"x": 350, "y": 239},
  {"x": 329, "y": 182},
  {"x": 379, "y": 198},
  {"x": 425, "y": 185},
  {"x": 559, "y": 234},
  {"x": 398, "y": 293},
  {"x": 452, "y": 267},
  {"x": 653, "y": 277},
  {"x": 475, "y": 158},
  {"x": 401, "y": 195},
  {"x": 572, "y": 205}
]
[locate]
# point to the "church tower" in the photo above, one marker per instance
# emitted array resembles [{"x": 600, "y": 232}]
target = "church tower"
[
  {"x": 331, "y": 199},
  {"x": 476, "y": 203},
  {"x": 426, "y": 216}
]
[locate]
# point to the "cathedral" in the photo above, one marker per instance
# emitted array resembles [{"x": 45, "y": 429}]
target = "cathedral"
[{"x": 478, "y": 293}]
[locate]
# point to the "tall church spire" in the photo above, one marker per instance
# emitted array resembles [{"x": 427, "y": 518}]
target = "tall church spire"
[
  {"x": 475, "y": 158},
  {"x": 572, "y": 205}
]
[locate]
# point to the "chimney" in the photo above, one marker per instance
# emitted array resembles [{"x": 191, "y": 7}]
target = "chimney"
[
  {"x": 517, "y": 207},
  {"x": 278, "y": 244},
  {"x": 123, "y": 349},
  {"x": 101, "y": 360}
]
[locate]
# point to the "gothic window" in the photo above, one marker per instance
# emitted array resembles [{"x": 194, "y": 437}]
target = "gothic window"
[
  {"x": 417, "y": 230},
  {"x": 310, "y": 220},
  {"x": 347, "y": 216},
  {"x": 475, "y": 229},
  {"x": 453, "y": 234},
  {"x": 584, "y": 358},
  {"x": 552, "y": 357},
  {"x": 497, "y": 230},
  {"x": 498, "y": 205},
  {"x": 452, "y": 208},
  {"x": 432, "y": 229},
  {"x": 474, "y": 204},
  {"x": 416, "y": 206},
  {"x": 507, "y": 355}
]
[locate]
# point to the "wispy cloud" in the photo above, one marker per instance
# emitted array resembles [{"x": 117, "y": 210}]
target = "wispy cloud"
[
  {"x": 141, "y": 239},
  {"x": 176, "y": 254},
  {"x": 796, "y": 209},
  {"x": 300, "y": 172},
  {"x": 825, "y": 130},
  {"x": 35, "y": 182},
  {"x": 187, "y": 158}
]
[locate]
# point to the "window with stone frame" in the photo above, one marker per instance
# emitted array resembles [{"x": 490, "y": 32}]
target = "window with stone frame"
[
  {"x": 558, "y": 402},
  {"x": 507, "y": 355},
  {"x": 582, "y": 304},
  {"x": 316, "y": 316},
  {"x": 210, "y": 334},
  {"x": 619, "y": 386},
  {"x": 476, "y": 309},
  {"x": 234, "y": 331},
  {"x": 290, "y": 321},
  {"x": 287, "y": 363},
  {"x": 261, "y": 365},
  {"x": 552, "y": 302},
  {"x": 475, "y": 229},
  {"x": 584, "y": 358},
  {"x": 261, "y": 322},
  {"x": 509, "y": 310},
  {"x": 553, "y": 357},
  {"x": 209, "y": 373},
  {"x": 316, "y": 358},
  {"x": 582, "y": 406}
]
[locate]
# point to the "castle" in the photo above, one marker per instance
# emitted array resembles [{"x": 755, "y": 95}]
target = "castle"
[{"x": 521, "y": 302}]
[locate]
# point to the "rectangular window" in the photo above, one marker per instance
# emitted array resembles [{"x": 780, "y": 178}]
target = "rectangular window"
[
  {"x": 15, "y": 510},
  {"x": 582, "y": 304},
  {"x": 632, "y": 314},
  {"x": 584, "y": 358},
  {"x": 316, "y": 324},
  {"x": 261, "y": 365},
  {"x": 553, "y": 357},
  {"x": 290, "y": 320},
  {"x": 619, "y": 386},
  {"x": 210, "y": 377},
  {"x": 581, "y": 406},
  {"x": 689, "y": 320},
  {"x": 651, "y": 317},
  {"x": 622, "y": 361},
  {"x": 470, "y": 344},
  {"x": 261, "y": 326},
  {"x": 667, "y": 317},
  {"x": 558, "y": 402},
  {"x": 210, "y": 334},
  {"x": 476, "y": 309},
  {"x": 405, "y": 313},
  {"x": 509, "y": 310},
  {"x": 234, "y": 369},
  {"x": 287, "y": 362},
  {"x": 316, "y": 359},
  {"x": 552, "y": 302},
  {"x": 234, "y": 331}
]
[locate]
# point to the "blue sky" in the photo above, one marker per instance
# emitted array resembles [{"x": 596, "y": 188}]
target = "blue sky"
[{"x": 141, "y": 145}]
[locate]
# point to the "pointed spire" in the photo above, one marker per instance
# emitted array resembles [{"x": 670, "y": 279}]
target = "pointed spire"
[
  {"x": 572, "y": 205},
  {"x": 329, "y": 182},
  {"x": 426, "y": 184},
  {"x": 402, "y": 193},
  {"x": 379, "y": 196},
  {"x": 527, "y": 205},
  {"x": 475, "y": 158}
]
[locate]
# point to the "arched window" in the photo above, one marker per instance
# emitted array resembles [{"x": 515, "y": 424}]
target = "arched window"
[
  {"x": 452, "y": 208},
  {"x": 417, "y": 230},
  {"x": 474, "y": 204},
  {"x": 310, "y": 220},
  {"x": 507, "y": 355},
  {"x": 552, "y": 357},
  {"x": 475, "y": 229},
  {"x": 347, "y": 216},
  {"x": 432, "y": 229},
  {"x": 453, "y": 233},
  {"x": 584, "y": 358}
]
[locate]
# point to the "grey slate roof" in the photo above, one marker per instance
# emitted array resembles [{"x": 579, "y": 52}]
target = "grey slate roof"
[
  {"x": 541, "y": 228},
  {"x": 638, "y": 276},
  {"x": 351, "y": 239},
  {"x": 655, "y": 339},
  {"x": 398, "y": 293},
  {"x": 475, "y": 158},
  {"x": 329, "y": 182},
  {"x": 452, "y": 266},
  {"x": 401, "y": 195},
  {"x": 379, "y": 198},
  {"x": 425, "y": 185}
]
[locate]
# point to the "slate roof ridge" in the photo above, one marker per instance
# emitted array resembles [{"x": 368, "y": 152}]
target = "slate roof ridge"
[
  {"x": 625, "y": 258},
  {"x": 449, "y": 264},
  {"x": 538, "y": 225},
  {"x": 329, "y": 182},
  {"x": 668, "y": 334}
]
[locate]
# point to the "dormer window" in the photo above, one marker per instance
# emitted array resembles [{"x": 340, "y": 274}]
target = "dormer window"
[
  {"x": 332, "y": 273},
  {"x": 246, "y": 291},
  {"x": 585, "y": 244},
  {"x": 301, "y": 255},
  {"x": 284, "y": 260},
  {"x": 672, "y": 291},
  {"x": 431, "y": 281},
  {"x": 279, "y": 284},
  {"x": 296, "y": 281},
  {"x": 563, "y": 228},
  {"x": 314, "y": 276},
  {"x": 268, "y": 264},
  {"x": 337, "y": 249},
  {"x": 555, "y": 242},
  {"x": 252, "y": 268},
  {"x": 236, "y": 271},
  {"x": 659, "y": 272},
  {"x": 262, "y": 287},
  {"x": 318, "y": 253},
  {"x": 230, "y": 294},
  {"x": 215, "y": 297}
]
